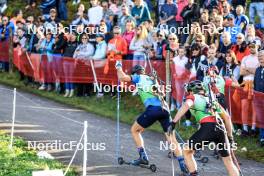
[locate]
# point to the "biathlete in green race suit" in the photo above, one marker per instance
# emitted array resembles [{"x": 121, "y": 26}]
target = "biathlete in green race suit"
[
  {"x": 197, "y": 102},
  {"x": 154, "y": 112}
]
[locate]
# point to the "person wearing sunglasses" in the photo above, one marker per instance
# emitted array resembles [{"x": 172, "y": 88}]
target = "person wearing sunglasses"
[
  {"x": 85, "y": 50},
  {"x": 248, "y": 68},
  {"x": 259, "y": 86},
  {"x": 241, "y": 48},
  {"x": 117, "y": 48},
  {"x": 172, "y": 46}
]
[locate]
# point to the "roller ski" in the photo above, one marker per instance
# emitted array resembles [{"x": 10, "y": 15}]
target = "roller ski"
[
  {"x": 198, "y": 156},
  {"x": 141, "y": 162}
]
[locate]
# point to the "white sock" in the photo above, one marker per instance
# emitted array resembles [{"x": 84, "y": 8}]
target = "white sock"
[
  {"x": 245, "y": 127},
  {"x": 253, "y": 127}
]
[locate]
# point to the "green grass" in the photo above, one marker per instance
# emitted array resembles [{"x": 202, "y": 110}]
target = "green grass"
[
  {"x": 22, "y": 161},
  {"x": 130, "y": 108}
]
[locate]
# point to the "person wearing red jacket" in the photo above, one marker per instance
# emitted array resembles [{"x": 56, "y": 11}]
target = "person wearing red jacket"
[{"x": 116, "y": 49}]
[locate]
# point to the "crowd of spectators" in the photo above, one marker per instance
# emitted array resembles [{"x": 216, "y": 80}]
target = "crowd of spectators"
[{"x": 212, "y": 33}]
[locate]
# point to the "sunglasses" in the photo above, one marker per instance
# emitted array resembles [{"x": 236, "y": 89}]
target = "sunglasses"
[
  {"x": 239, "y": 37},
  {"x": 116, "y": 33},
  {"x": 160, "y": 35},
  {"x": 172, "y": 39},
  {"x": 198, "y": 40}
]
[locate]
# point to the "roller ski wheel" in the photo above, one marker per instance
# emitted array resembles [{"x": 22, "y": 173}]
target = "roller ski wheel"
[
  {"x": 170, "y": 154},
  {"x": 151, "y": 167},
  {"x": 120, "y": 161}
]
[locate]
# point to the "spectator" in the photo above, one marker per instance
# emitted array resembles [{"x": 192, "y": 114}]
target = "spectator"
[
  {"x": 251, "y": 34},
  {"x": 46, "y": 49},
  {"x": 179, "y": 20},
  {"x": 20, "y": 39},
  {"x": 196, "y": 58},
  {"x": 80, "y": 17},
  {"x": 256, "y": 7},
  {"x": 247, "y": 70},
  {"x": 190, "y": 13},
  {"x": 140, "y": 12},
  {"x": 116, "y": 49},
  {"x": 46, "y": 6},
  {"x": 226, "y": 13},
  {"x": 62, "y": 9},
  {"x": 204, "y": 23},
  {"x": 209, "y": 62},
  {"x": 209, "y": 4},
  {"x": 180, "y": 75},
  {"x": 232, "y": 28},
  {"x": 52, "y": 22},
  {"x": 85, "y": 50},
  {"x": 114, "y": 7},
  {"x": 128, "y": 35},
  {"x": 240, "y": 49},
  {"x": 68, "y": 66},
  {"x": 200, "y": 40},
  {"x": 225, "y": 45},
  {"x": 125, "y": 16},
  {"x": 18, "y": 17},
  {"x": 3, "y": 6},
  {"x": 230, "y": 69},
  {"x": 259, "y": 86},
  {"x": 108, "y": 16},
  {"x": 158, "y": 44},
  {"x": 195, "y": 30},
  {"x": 168, "y": 13},
  {"x": 101, "y": 47},
  {"x": 95, "y": 13},
  {"x": 5, "y": 28},
  {"x": 92, "y": 34},
  {"x": 58, "y": 50},
  {"x": 138, "y": 46},
  {"x": 172, "y": 47},
  {"x": 30, "y": 3},
  {"x": 241, "y": 19}
]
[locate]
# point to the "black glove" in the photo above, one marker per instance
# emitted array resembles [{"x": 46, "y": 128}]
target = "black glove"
[
  {"x": 171, "y": 127},
  {"x": 231, "y": 141}
]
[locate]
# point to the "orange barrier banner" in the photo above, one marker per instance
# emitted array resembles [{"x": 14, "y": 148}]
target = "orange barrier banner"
[
  {"x": 54, "y": 68},
  {"x": 4, "y": 55}
]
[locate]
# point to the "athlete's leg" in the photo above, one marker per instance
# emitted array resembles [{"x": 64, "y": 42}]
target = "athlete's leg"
[
  {"x": 174, "y": 144},
  {"x": 136, "y": 131},
  {"x": 189, "y": 159},
  {"x": 230, "y": 166}
]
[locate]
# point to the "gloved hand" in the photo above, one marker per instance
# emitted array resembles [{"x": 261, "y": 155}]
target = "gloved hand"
[
  {"x": 171, "y": 127},
  {"x": 118, "y": 65},
  {"x": 231, "y": 141}
]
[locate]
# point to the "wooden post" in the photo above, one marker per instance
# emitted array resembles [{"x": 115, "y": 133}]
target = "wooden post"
[
  {"x": 10, "y": 50},
  {"x": 168, "y": 76}
]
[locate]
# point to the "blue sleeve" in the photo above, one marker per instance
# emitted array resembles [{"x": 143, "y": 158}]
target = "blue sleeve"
[{"x": 135, "y": 78}]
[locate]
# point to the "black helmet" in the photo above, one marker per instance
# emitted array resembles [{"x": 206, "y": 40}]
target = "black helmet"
[
  {"x": 137, "y": 68},
  {"x": 195, "y": 86}
]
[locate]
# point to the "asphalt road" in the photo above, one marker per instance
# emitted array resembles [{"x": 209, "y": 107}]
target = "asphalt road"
[{"x": 44, "y": 121}]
